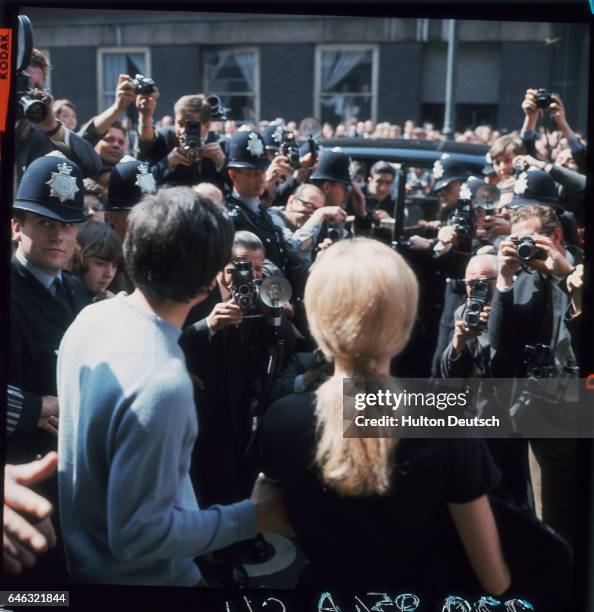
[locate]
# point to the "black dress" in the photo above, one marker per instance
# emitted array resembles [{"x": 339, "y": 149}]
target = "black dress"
[{"x": 404, "y": 539}]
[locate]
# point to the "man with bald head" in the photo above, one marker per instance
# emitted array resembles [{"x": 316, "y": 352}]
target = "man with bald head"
[
  {"x": 212, "y": 192},
  {"x": 470, "y": 355}
]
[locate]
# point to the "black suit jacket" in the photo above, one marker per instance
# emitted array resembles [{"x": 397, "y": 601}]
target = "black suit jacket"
[
  {"x": 263, "y": 226},
  {"x": 33, "y": 143},
  {"x": 37, "y": 323},
  {"x": 155, "y": 153}
]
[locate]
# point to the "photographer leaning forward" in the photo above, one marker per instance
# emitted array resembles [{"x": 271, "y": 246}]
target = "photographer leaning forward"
[
  {"x": 36, "y": 139},
  {"x": 186, "y": 154}
]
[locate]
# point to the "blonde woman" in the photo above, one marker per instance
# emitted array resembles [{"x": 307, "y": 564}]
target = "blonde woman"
[{"x": 376, "y": 511}]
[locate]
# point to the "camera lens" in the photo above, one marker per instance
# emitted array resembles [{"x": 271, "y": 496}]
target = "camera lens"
[
  {"x": 472, "y": 319},
  {"x": 526, "y": 251},
  {"x": 243, "y": 289}
]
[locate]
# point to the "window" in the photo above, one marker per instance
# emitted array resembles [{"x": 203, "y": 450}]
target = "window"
[
  {"x": 346, "y": 80},
  {"x": 111, "y": 63},
  {"x": 233, "y": 75}
]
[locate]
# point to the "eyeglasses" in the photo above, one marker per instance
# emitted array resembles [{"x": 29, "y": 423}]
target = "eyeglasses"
[{"x": 469, "y": 282}]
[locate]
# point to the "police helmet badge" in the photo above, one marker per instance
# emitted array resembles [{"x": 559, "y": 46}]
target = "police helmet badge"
[
  {"x": 62, "y": 185},
  {"x": 437, "y": 170},
  {"x": 254, "y": 145},
  {"x": 277, "y": 135},
  {"x": 145, "y": 180},
  {"x": 465, "y": 193},
  {"x": 521, "y": 184}
]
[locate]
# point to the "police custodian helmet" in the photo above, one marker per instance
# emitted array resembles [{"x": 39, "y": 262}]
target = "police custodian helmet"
[
  {"x": 535, "y": 187},
  {"x": 247, "y": 150},
  {"x": 52, "y": 187},
  {"x": 335, "y": 165},
  {"x": 448, "y": 169},
  {"x": 130, "y": 180}
]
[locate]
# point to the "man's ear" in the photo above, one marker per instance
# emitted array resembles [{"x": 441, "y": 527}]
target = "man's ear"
[{"x": 17, "y": 229}]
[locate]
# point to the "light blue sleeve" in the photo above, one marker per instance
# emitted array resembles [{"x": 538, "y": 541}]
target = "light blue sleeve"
[{"x": 149, "y": 463}]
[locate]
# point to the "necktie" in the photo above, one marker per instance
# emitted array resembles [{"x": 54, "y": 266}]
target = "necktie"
[{"x": 61, "y": 294}]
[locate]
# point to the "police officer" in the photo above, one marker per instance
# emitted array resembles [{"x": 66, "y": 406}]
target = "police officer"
[
  {"x": 273, "y": 138},
  {"x": 44, "y": 298},
  {"x": 129, "y": 182},
  {"x": 44, "y": 301},
  {"x": 247, "y": 166},
  {"x": 449, "y": 174},
  {"x": 333, "y": 176}
]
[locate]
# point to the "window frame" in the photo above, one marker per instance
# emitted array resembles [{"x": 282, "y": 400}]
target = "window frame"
[
  {"x": 242, "y": 48},
  {"x": 375, "y": 59},
  {"x": 101, "y": 52}
]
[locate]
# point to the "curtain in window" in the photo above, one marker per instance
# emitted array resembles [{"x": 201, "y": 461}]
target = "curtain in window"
[{"x": 337, "y": 64}]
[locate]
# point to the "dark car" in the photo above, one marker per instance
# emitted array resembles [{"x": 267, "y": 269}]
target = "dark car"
[
  {"x": 416, "y": 153},
  {"x": 409, "y": 154}
]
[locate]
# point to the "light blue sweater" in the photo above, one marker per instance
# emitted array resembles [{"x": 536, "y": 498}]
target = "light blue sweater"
[{"x": 128, "y": 423}]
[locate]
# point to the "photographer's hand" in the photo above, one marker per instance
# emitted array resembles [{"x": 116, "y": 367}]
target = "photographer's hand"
[
  {"x": 124, "y": 94},
  {"x": 223, "y": 315},
  {"x": 177, "y": 157},
  {"x": 213, "y": 151},
  {"x": 50, "y": 122},
  {"x": 575, "y": 286},
  {"x": 508, "y": 262},
  {"x": 462, "y": 334},
  {"x": 147, "y": 105},
  {"x": 555, "y": 263},
  {"x": 530, "y": 110},
  {"x": 497, "y": 225},
  {"x": 447, "y": 235}
]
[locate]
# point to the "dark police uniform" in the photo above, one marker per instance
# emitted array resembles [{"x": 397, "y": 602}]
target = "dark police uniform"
[
  {"x": 129, "y": 182},
  {"x": 52, "y": 187},
  {"x": 247, "y": 150},
  {"x": 38, "y": 319}
]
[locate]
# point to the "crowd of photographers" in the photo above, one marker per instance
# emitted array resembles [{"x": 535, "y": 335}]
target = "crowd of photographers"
[{"x": 499, "y": 265}]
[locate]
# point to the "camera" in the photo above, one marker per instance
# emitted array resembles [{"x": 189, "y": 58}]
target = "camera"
[
  {"x": 527, "y": 249},
  {"x": 218, "y": 112},
  {"x": 143, "y": 86},
  {"x": 462, "y": 220},
  {"x": 245, "y": 289},
  {"x": 538, "y": 361},
  {"x": 290, "y": 149},
  {"x": 543, "y": 99},
  {"x": 33, "y": 109},
  {"x": 479, "y": 297},
  {"x": 191, "y": 139}
]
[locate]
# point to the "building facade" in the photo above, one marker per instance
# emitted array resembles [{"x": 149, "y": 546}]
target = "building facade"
[{"x": 334, "y": 68}]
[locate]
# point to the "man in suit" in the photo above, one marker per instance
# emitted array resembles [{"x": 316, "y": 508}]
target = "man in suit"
[
  {"x": 528, "y": 313},
  {"x": 176, "y": 155},
  {"x": 247, "y": 166},
  {"x": 45, "y": 299}
]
